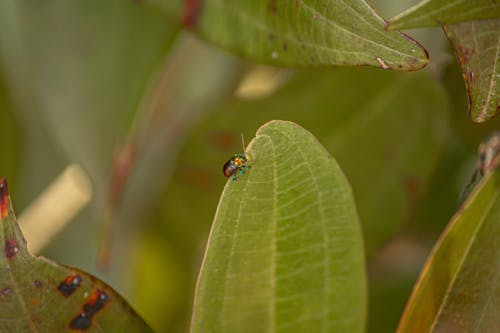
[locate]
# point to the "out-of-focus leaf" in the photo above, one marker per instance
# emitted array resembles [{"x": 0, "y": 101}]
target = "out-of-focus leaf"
[
  {"x": 299, "y": 33},
  {"x": 285, "y": 251},
  {"x": 37, "y": 295},
  {"x": 456, "y": 164},
  {"x": 439, "y": 12},
  {"x": 459, "y": 285},
  {"x": 477, "y": 47},
  {"x": 85, "y": 66},
  {"x": 10, "y": 138},
  {"x": 83, "y": 70}
]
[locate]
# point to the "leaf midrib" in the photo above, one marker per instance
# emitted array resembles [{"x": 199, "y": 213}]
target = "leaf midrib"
[{"x": 326, "y": 262}]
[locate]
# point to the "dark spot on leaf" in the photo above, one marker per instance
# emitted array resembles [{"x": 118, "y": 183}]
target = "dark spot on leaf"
[
  {"x": 285, "y": 47},
  {"x": 273, "y": 7},
  {"x": 80, "y": 322},
  {"x": 271, "y": 36},
  {"x": 69, "y": 285},
  {"x": 5, "y": 292},
  {"x": 4, "y": 197},
  {"x": 190, "y": 13},
  {"x": 11, "y": 248},
  {"x": 38, "y": 283},
  {"x": 94, "y": 304}
]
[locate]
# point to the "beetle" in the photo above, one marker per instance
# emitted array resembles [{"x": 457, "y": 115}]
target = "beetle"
[{"x": 237, "y": 165}]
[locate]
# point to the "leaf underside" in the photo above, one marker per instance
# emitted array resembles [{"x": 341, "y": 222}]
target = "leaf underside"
[
  {"x": 37, "y": 295},
  {"x": 459, "y": 289},
  {"x": 285, "y": 251},
  {"x": 477, "y": 47},
  {"x": 299, "y": 33},
  {"x": 439, "y": 12}
]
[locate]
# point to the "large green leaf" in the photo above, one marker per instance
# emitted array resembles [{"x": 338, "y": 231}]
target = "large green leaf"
[
  {"x": 477, "y": 47},
  {"x": 459, "y": 286},
  {"x": 299, "y": 33},
  {"x": 285, "y": 252},
  {"x": 37, "y": 295},
  {"x": 439, "y": 12}
]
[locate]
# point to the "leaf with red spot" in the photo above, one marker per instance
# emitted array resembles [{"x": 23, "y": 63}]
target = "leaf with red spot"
[
  {"x": 477, "y": 47},
  {"x": 299, "y": 33},
  {"x": 38, "y": 295}
]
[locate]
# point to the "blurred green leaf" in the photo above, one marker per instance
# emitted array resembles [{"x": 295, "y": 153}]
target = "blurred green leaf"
[
  {"x": 459, "y": 286},
  {"x": 477, "y": 46},
  {"x": 299, "y": 33},
  {"x": 439, "y": 12},
  {"x": 37, "y": 295},
  {"x": 82, "y": 71},
  {"x": 10, "y": 138},
  {"x": 86, "y": 67},
  {"x": 285, "y": 251}
]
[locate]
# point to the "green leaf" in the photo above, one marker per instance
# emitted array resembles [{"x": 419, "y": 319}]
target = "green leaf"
[
  {"x": 285, "y": 251},
  {"x": 439, "y": 12},
  {"x": 299, "y": 33},
  {"x": 459, "y": 285},
  {"x": 477, "y": 47},
  {"x": 37, "y": 295}
]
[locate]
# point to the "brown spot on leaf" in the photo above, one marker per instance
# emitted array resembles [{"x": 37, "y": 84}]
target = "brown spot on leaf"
[
  {"x": 6, "y": 292},
  {"x": 10, "y": 248},
  {"x": 191, "y": 13},
  {"x": 69, "y": 285}
]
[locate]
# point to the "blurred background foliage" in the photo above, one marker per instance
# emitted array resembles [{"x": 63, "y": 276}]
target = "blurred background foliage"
[{"x": 150, "y": 114}]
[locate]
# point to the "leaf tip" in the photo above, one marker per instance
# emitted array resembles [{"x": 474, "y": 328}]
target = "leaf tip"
[{"x": 420, "y": 57}]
